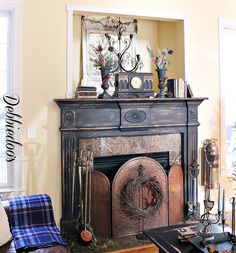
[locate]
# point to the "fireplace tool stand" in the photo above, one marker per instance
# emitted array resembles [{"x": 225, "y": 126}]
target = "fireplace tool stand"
[
  {"x": 231, "y": 237},
  {"x": 82, "y": 166}
]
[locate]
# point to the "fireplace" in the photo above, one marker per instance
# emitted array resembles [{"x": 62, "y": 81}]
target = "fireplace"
[{"x": 132, "y": 135}]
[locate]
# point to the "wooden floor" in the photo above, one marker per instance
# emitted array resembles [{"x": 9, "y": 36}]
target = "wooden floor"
[
  {"x": 129, "y": 244},
  {"x": 150, "y": 248}
]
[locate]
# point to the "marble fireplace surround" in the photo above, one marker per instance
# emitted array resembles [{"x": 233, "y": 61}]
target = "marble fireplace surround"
[
  {"x": 109, "y": 146},
  {"x": 127, "y": 126}
]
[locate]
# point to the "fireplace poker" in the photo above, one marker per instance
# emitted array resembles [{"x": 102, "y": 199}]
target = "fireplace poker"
[
  {"x": 80, "y": 217},
  {"x": 73, "y": 180},
  {"x": 90, "y": 163}
]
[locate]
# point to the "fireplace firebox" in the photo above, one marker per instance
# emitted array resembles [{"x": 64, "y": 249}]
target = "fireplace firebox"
[
  {"x": 109, "y": 165},
  {"x": 131, "y": 129}
]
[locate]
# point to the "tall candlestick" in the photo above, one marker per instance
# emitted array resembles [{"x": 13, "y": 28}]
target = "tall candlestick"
[
  {"x": 233, "y": 216},
  {"x": 194, "y": 192},
  {"x": 219, "y": 197},
  {"x": 223, "y": 205},
  {"x": 137, "y": 47}
]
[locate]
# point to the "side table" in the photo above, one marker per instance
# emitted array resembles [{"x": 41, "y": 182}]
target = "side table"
[{"x": 166, "y": 239}]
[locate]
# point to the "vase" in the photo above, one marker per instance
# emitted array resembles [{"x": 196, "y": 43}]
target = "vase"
[
  {"x": 105, "y": 75},
  {"x": 161, "y": 73}
]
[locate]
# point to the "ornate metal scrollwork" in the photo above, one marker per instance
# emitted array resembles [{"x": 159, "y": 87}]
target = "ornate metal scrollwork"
[
  {"x": 69, "y": 118},
  {"x": 135, "y": 116},
  {"x": 119, "y": 36}
]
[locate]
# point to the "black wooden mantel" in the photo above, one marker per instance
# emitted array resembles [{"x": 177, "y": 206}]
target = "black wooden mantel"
[{"x": 126, "y": 117}]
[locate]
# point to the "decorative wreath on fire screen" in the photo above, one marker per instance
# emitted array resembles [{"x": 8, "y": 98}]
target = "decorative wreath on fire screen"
[{"x": 149, "y": 191}]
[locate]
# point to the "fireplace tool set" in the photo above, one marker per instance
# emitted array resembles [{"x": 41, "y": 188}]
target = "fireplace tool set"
[{"x": 82, "y": 166}]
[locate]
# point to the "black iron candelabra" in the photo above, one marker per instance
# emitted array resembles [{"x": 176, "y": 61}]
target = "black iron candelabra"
[
  {"x": 124, "y": 43},
  {"x": 119, "y": 37},
  {"x": 206, "y": 219}
]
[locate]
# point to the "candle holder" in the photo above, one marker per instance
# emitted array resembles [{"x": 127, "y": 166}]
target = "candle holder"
[
  {"x": 206, "y": 219},
  {"x": 231, "y": 236},
  {"x": 194, "y": 171}
]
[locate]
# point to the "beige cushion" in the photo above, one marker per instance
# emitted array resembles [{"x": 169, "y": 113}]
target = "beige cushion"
[{"x": 5, "y": 235}]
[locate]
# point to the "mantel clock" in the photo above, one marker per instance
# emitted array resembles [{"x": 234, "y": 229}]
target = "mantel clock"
[{"x": 133, "y": 85}]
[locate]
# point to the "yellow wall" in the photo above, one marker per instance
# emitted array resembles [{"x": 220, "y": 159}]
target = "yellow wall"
[
  {"x": 44, "y": 75},
  {"x": 44, "y": 78}
]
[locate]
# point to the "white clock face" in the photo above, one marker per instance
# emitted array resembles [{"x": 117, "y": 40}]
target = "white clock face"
[{"x": 136, "y": 82}]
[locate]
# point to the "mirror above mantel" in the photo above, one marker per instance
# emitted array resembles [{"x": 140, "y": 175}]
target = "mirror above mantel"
[{"x": 152, "y": 31}]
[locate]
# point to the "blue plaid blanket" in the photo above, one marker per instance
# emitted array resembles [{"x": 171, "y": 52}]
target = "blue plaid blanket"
[{"x": 32, "y": 222}]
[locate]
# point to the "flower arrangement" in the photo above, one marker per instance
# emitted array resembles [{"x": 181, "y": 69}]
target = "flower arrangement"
[
  {"x": 160, "y": 60},
  {"x": 102, "y": 56}
]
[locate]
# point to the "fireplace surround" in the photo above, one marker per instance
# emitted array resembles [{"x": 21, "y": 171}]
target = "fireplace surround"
[{"x": 127, "y": 126}]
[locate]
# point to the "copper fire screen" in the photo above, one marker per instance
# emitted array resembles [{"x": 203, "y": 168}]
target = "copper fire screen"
[{"x": 141, "y": 197}]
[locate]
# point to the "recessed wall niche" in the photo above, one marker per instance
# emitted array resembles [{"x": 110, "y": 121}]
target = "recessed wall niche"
[{"x": 152, "y": 32}]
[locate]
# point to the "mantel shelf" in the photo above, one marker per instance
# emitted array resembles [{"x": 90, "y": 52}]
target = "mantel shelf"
[
  {"x": 112, "y": 116},
  {"x": 162, "y": 100}
]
